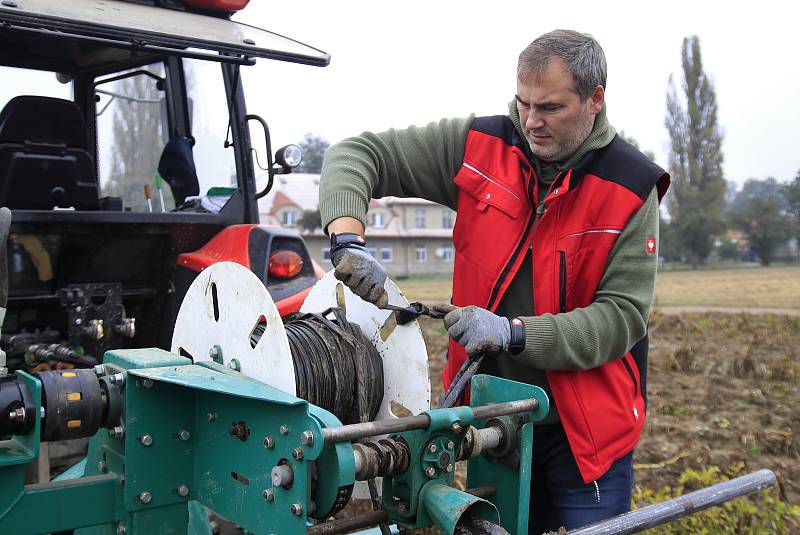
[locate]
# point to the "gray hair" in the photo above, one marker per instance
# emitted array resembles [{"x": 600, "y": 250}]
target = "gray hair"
[{"x": 580, "y": 53}]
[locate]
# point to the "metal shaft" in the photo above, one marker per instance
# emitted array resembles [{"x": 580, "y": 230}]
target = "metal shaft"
[
  {"x": 348, "y": 433},
  {"x": 669, "y": 510}
]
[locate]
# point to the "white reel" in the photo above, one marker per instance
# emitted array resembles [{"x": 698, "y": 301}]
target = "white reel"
[{"x": 227, "y": 302}]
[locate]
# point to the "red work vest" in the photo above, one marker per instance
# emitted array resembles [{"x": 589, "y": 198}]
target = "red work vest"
[{"x": 602, "y": 409}]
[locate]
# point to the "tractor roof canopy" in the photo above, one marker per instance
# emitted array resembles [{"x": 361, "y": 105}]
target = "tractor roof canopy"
[{"x": 101, "y": 32}]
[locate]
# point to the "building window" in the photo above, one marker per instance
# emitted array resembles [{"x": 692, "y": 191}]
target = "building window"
[
  {"x": 447, "y": 218},
  {"x": 326, "y": 253},
  {"x": 420, "y": 218},
  {"x": 378, "y": 220},
  {"x": 422, "y": 253},
  {"x": 386, "y": 254},
  {"x": 447, "y": 253},
  {"x": 290, "y": 218}
]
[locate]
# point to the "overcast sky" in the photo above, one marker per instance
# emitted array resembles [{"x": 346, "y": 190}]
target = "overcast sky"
[{"x": 412, "y": 62}]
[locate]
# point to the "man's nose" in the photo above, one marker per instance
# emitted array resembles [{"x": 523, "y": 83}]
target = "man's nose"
[{"x": 533, "y": 121}]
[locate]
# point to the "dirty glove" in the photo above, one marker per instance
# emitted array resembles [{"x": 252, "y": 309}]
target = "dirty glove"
[
  {"x": 478, "y": 330},
  {"x": 358, "y": 269}
]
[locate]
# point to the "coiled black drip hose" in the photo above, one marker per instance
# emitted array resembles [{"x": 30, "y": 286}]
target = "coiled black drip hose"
[{"x": 335, "y": 366}]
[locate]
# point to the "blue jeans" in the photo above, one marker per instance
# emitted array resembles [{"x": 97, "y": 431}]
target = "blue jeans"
[{"x": 559, "y": 497}]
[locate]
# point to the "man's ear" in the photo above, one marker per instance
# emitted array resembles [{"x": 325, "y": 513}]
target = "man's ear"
[{"x": 597, "y": 99}]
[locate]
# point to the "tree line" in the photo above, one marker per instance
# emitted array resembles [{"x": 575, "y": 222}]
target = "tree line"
[{"x": 703, "y": 207}]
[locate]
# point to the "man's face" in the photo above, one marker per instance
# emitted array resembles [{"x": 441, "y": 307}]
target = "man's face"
[{"x": 554, "y": 119}]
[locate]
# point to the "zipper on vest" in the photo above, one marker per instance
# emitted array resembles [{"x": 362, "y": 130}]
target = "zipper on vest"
[
  {"x": 633, "y": 377},
  {"x": 496, "y": 183},
  {"x": 562, "y": 281},
  {"x": 523, "y": 243}
]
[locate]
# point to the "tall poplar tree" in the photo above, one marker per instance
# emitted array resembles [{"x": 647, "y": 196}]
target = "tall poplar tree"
[{"x": 697, "y": 197}]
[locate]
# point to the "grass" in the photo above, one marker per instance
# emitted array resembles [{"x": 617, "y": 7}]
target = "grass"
[{"x": 758, "y": 287}]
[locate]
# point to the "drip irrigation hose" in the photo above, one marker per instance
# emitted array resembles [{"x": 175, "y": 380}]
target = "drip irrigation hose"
[{"x": 336, "y": 367}]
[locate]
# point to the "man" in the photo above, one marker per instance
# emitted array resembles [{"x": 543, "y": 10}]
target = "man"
[{"x": 555, "y": 260}]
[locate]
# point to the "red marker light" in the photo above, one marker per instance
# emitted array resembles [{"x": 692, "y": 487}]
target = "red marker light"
[{"x": 285, "y": 264}]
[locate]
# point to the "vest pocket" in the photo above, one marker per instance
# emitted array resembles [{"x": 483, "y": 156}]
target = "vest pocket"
[
  {"x": 562, "y": 281},
  {"x": 633, "y": 376},
  {"x": 487, "y": 190}
]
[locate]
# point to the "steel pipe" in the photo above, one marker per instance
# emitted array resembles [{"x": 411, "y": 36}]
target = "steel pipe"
[
  {"x": 348, "y": 433},
  {"x": 669, "y": 510}
]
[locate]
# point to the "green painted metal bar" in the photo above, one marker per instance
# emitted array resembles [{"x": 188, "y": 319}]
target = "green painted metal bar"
[{"x": 61, "y": 505}]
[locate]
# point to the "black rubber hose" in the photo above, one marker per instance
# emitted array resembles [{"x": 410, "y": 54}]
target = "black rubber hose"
[{"x": 336, "y": 367}]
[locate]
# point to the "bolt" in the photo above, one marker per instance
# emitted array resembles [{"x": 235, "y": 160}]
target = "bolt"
[
  {"x": 235, "y": 365},
  {"x": 455, "y": 428},
  {"x": 297, "y": 454},
  {"x": 432, "y": 448},
  {"x": 121, "y": 529},
  {"x": 117, "y": 432},
  {"x": 78, "y": 321},
  {"x": 183, "y": 491},
  {"x": 449, "y": 468},
  {"x": 211, "y": 416},
  {"x": 117, "y": 379},
  {"x": 145, "y": 497},
  {"x": 146, "y": 440},
  {"x": 297, "y": 509},
  {"x": 215, "y": 354},
  {"x": 147, "y": 383},
  {"x": 269, "y": 442},
  {"x": 307, "y": 438},
  {"x": 268, "y": 495},
  {"x": 284, "y": 429},
  {"x": 41, "y": 412},
  {"x": 450, "y": 445},
  {"x": 17, "y": 415},
  {"x": 99, "y": 370},
  {"x": 102, "y": 467},
  {"x": 184, "y": 435},
  {"x": 430, "y": 472}
]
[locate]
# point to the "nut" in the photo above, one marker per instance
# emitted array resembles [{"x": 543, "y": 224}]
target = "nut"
[
  {"x": 183, "y": 491},
  {"x": 430, "y": 472},
  {"x": 269, "y": 442},
  {"x": 184, "y": 435},
  {"x": 284, "y": 429},
  {"x": 147, "y": 383},
  {"x": 297, "y": 509},
  {"x": 307, "y": 438},
  {"x": 432, "y": 448},
  {"x": 297, "y": 454},
  {"x": 268, "y": 494},
  {"x": 450, "y": 445},
  {"x": 145, "y": 497},
  {"x": 456, "y": 428},
  {"x": 146, "y": 440}
]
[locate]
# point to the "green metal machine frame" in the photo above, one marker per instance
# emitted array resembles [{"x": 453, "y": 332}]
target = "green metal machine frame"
[{"x": 207, "y": 434}]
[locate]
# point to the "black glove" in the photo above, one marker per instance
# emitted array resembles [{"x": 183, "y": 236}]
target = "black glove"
[{"x": 358, "y": 269}]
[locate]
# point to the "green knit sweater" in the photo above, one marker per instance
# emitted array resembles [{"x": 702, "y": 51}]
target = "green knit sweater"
[{"x": 422, "y": 162}]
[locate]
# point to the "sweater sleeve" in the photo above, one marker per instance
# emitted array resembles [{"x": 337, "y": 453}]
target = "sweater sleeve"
[
  {"x": 588, "y": 337},
  {"x": 413, "y": 162}
]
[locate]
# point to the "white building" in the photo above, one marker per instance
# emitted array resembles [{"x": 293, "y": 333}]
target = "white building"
[{"x": 408, "y": 236}]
